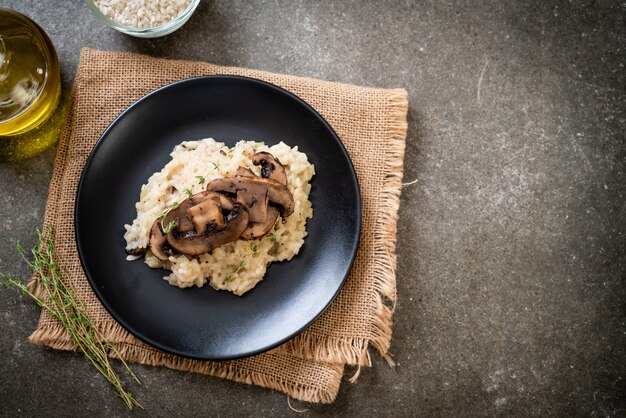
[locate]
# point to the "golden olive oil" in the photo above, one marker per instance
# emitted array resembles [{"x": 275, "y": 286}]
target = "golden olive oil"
[{"x": 30, "y": 82}]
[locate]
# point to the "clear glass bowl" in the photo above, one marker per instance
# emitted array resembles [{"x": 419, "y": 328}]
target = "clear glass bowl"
[{"x": 154, "y": 32}]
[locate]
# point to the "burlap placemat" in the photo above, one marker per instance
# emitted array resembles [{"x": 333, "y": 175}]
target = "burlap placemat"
[{"x": 372, "y": 125}]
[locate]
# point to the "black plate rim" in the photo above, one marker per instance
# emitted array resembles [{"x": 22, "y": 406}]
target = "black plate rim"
[{"x": 250, "y": 353}]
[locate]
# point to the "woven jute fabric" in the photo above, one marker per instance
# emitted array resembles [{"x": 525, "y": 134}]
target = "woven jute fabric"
[{"x": 371, "y": 124}]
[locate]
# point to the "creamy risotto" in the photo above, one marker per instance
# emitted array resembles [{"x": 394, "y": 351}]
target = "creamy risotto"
[{"x": 239, "y": 265}]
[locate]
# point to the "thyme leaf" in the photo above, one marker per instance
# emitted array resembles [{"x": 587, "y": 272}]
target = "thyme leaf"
[
  {"x": 242, "y": 266},
  {"x": 202, "y": 179},
  {"x": 169, "y": 227},
  {"x": 171, "y": 224}
]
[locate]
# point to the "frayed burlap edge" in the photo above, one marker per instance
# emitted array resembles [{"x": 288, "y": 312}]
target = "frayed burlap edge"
[
  {"x": 55, "y": 337},
  {"x": 355, "y": 351}
]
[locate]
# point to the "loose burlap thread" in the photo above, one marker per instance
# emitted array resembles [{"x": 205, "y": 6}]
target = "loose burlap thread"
[{"x": 372, "y": 125}]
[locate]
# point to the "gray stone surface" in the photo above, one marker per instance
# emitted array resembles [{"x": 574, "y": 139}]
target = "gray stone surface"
[{"x": 511, "y": 243}]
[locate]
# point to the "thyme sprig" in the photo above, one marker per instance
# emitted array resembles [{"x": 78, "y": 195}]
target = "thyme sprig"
[
  {"x": 242, "y": 266},
  {"x": 172, "y": 224},
  {"x": 62, "y": 304},
  {"x": 202, "y": 179}
]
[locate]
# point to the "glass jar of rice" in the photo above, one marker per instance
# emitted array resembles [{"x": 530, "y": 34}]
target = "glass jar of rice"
[{"x": 143, "y": 18}]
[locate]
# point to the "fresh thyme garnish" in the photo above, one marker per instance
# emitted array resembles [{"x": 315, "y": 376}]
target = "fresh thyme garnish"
[
  {"x": 272, "y": 237},
  {"x": 62, "y": 304},
  {"x": 202, "y": 179},
  {"x": 242, "y": 266},
  {"x": 254, "y": 248},
  {"x": 168, "y": 227},
  {"x": 172, "y": 224},
  {"x": 188, "y": 192}
]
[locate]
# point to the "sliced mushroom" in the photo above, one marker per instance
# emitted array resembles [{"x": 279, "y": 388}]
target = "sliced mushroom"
[
  {"x": 178, "y": 215},
  {"x": 277, "y": 193},
  {"x": 271, "y": 168},
  {"x": 158, "y": 242},
  {"x": 256, "y": 204},
  {"x": 194, "y": 244},
  {"x": 245, "y": 172},
  {"x": 207, "y": 216},
  {"x": 258, "y": 229},
  {"x": 225, "y": 202},
  {"x": 200, "y": 197},
  {"x": 137, "y": 251}
]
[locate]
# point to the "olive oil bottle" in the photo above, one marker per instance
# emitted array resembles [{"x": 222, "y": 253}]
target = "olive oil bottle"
[{"x": 30, "y": 84}]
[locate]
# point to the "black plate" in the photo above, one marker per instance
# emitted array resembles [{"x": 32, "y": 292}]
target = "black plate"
[{"x": 204, "y": 323}]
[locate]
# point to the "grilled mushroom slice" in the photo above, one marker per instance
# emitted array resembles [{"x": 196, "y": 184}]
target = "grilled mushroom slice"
[
  {"x": 225, "y": 202},
  {"x": 258, "y": 229},
  {"x": 271, "y": 168},
  {"x": 255, "y": 202},
  {"x": 194, "y": 244},
  {"x": 158, "y": 242},
  {"x": 277, "y": 193},
  {"x": 178, "y": 215},
  {"x": 245, "y": 172},
  {"x": 207, "y": 216},
  {"x": 136, "y": 251},
  {"x": 200, "y": 197}
]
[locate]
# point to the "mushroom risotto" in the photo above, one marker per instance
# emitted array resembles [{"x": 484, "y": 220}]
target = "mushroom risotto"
[{"x": 222, "y": 215}]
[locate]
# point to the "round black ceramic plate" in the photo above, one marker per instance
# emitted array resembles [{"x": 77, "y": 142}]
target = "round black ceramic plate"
[{"x": 204, "y": 323}]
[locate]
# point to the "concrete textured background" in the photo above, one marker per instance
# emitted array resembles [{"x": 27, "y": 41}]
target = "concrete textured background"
[{"x": 511, "y": 244}]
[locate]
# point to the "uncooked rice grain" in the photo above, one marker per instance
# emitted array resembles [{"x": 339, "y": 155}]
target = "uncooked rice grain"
[{"x": 142, "y": 14}]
